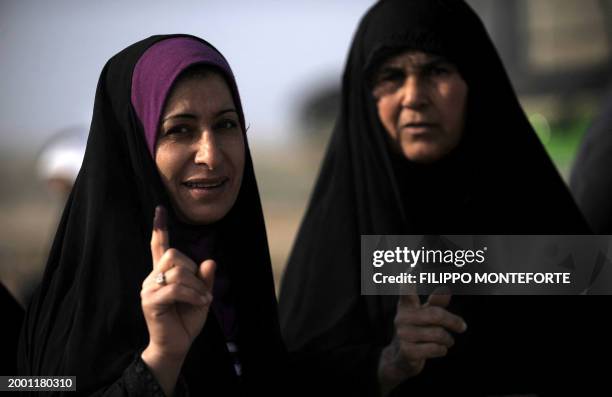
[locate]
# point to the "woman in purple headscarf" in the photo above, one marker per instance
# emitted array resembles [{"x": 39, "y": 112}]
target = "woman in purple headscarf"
[{"x": 159, "y": 278}]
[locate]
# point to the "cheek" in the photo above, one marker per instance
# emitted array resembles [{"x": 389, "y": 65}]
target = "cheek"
[
  {"x": 388, "y": 111},
  {"x": 235, "y": 150},
  {"x": 167, "y": 163},
  {"x": 455, "y": 99}
]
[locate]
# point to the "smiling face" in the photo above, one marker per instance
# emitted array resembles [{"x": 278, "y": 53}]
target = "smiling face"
[
  {"x": 200, "y": 148},
  {"x": 421, "y": 101}
]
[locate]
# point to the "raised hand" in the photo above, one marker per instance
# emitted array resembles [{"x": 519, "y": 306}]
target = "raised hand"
[
  {"x": 422, "y": 332},
  {"x": 176, "y": 298}
]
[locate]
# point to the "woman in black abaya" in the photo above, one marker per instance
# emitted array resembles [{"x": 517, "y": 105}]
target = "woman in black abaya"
[
  {"x": 491, "y": 176},
  {"x": 126, "y": 310}
]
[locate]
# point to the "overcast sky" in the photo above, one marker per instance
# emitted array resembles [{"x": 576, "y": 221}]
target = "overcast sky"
[{"x": 51, "y": 54}]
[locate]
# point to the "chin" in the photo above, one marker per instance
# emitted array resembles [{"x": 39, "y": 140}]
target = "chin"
[
  {"x": 422, "y": 156},
  {"x": 204, "y": 217}
]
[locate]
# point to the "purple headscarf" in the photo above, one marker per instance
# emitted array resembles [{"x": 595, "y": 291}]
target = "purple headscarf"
[{"x": 158, "y": 68}]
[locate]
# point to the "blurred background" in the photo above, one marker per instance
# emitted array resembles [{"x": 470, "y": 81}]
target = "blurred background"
[{"x": 288, "y": 59}]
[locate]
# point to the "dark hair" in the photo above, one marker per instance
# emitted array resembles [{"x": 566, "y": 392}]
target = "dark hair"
[{"x": 198, "y": 70}]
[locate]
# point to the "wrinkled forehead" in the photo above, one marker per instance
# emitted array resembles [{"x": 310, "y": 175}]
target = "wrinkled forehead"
[
  {"x": 407, "y": 61},
  {"x": 412, "y": 59}
]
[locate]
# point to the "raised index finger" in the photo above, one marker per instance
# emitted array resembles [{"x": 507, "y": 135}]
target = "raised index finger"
[
  {"x": 440, "y": 297},
  {"x": 159, "y": 238},
  {"x": 408, "y": 299}
]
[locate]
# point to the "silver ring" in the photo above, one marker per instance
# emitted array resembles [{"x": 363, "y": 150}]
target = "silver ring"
[{"x": 161, "y": 279}]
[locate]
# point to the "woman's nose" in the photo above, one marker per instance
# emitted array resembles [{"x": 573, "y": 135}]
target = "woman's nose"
[
  {"x": 208, "y": 151},
  {"x": 415, "y": 93}
]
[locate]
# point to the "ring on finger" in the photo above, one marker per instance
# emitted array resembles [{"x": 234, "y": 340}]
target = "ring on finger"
[{"x": 160, "y": 279}]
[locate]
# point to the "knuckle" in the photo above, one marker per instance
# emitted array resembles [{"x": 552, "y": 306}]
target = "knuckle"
[
  {"x": 171, "y": 254},
  {"x": 436, "y": 314},
  {"x": 404, "y": 316},
  {"x": 145, "y": 301},
  {"x": 438, "y": 334},
  {"x": 177, "y": 278},
  {"x": 146, "y": 292},
  {"x": 188, "y": 266},
  {"x": 427, "y": 316},
  {"x": 182, "y": 271},
  {"x": 173, "y": 289}
]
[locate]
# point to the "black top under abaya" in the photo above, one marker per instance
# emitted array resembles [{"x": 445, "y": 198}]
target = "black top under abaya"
[
  {"x": 86, "y": 320},
  {"x": 499, "y": 180}
]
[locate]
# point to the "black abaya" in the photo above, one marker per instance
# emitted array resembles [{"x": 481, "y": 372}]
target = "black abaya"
[
  {"x": 85, "y": 319},
  {"x": 12, "y": 316},
  {"x": 498, "y": 181}
]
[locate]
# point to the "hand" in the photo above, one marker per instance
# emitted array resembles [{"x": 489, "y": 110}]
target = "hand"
[
  {"x": 176, "y": 311},
  {"x": 422, "y": 332}
]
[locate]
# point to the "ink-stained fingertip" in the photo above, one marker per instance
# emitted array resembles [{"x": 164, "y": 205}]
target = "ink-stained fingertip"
[{"x": 159, "y": 220}]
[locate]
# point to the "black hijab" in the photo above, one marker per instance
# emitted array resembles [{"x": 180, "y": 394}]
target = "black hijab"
[
  {"x": 498, "y": 181},
  {"x": 85, "y": 318}
]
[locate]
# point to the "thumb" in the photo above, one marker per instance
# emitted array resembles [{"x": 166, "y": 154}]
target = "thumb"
[
  {"x": 408, "y": 298},
  {"x": 207, "y": 272}
]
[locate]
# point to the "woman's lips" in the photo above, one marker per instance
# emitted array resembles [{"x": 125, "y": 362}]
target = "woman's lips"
[
  {"x": 206, "y": 188},
  {"x": 418, "y": 128}
]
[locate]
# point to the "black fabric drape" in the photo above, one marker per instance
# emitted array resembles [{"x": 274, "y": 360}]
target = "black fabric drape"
[
  {"x": 12, "y": 315},
  {"x": 591, "y": 183},
  {"x": 498, "y": 181},
  {"x": 85, "y": 318}
]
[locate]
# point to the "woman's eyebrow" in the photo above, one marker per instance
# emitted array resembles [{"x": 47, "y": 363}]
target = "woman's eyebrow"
[
  {"x": 390, "y": 68},
  {"x": 428, "y": 63},
  {"x": 386, "y": 70},
  {"x": 179, "y": 116},
  {"x": 193, "y": 116},
  {"x": 228, "y": 110},
  {"x": 434, "y": 61}
]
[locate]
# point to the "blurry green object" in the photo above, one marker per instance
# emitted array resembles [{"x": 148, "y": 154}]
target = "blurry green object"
[{"x": 561, "y": 140}]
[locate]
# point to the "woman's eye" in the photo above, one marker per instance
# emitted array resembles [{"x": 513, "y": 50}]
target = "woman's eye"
[
  {"x": 387, "y": 81},
  {"x": 178, "y": 130},
  {"x": 390, "y": 76},
  {"x": 226, "y": 124},
  {"x": 440, "y": 71}
]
